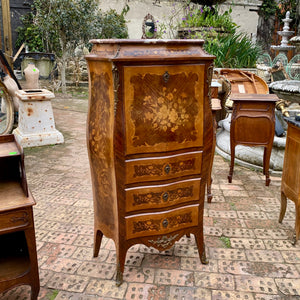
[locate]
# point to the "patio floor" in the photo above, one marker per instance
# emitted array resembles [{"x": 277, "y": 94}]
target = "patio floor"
[{"x": 250, "y": 254}]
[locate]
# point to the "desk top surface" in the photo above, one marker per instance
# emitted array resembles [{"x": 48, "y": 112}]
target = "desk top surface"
[{"x": 254, "y": 97}]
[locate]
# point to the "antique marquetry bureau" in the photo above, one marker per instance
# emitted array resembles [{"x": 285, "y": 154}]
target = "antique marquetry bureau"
[
  {"x": 149, "y": 136},
  {"x": 290, "y": 180}
]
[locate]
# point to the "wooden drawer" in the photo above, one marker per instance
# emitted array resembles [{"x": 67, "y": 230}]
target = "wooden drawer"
[
  {"x": 163, "y": 168},
  {"x": 161, "y": 223},
  {"x": 163, "y": 195},
  {"x": 15, "y": 219}
]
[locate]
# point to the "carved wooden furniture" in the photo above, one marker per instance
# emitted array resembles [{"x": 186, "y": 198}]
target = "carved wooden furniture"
[
  {"x": 290, "y": 180},
  {"x": 149, "y": 141},
  {"x": 253, "y": 124},
  {"x": 18, "y": 257},
  {"x": 244, "y": 82}
]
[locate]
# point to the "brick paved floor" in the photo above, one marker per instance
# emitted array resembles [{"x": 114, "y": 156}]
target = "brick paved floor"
[{"x": 250, "y": 253}]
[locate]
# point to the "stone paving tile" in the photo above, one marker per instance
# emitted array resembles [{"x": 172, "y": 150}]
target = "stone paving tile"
[
  {"x": 258, "y": 269},
  {"x": 289, "y": 287},
  {"x": 217, "y": 198},
  {"x": 194, "y": 264},
  {"x": 132, "y": 274},
  {"x": 264, "y": 256},
  {"x": 76, "y": 296},
  {"x": 132, "y": 259},
  {"x": 225, "y": 223},
  {"x": 181, "y": 293},
  {"x": 267, "y": 224},
  {"x": 212, "y": 230},
  {"x": 68, "y": 282},
  {"x": 222, "y": 214},
  {"x": 138, "y": 291},
  {"x": 84, "y": 240},
  {"x": 228, "y": 254},
  {"x": 96, "y": 269},
  {"x": 272, "y": 297},
  {"x": 292, "y": 257},
  {"x": 174, "y": 277},
  {"x": 257, "y": 215},
  {"x": 214, "y": 281},
  {"x": 257, "y": 262},
  {"x": 234, "y": 193},
  {"x": 256, "y": 284},
  {"x": 106, "y": 288},
  {"x": 59, "y": 237},
  {"x": 51, "y": 249},
  {"x": 238, "y": 232},
  {"x": 271, "y": 234},
  {"x": 61, "y": 265},
  {"x": 86, "y": 254},
  {"x": 186, "y": 250},
  {"x": 281, "y": 245},
  {"x": 163, "y": 262},
  {"x": 230, "y": 295},
  {"x": 246, "y": 243}
]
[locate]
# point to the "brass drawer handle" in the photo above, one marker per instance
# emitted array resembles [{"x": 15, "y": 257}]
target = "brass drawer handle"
[
  {"x": 167, "y": 169},
  {"x": 165, "y": 196},
  {"x": 165, "y": 223},
  {"x": 23, "y": 218}
]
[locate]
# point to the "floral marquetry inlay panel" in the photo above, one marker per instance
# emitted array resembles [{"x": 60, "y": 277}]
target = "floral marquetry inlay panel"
[{"x": 162, "y": 103}]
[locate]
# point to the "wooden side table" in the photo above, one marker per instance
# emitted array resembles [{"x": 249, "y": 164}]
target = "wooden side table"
[
  {"x": 18, "y": 257},
  {"x": 253, "y": 124},
  {"x": 290, "y": 181}
]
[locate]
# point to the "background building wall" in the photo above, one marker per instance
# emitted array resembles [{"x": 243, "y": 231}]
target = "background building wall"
[{"x": 243, "y": 12}]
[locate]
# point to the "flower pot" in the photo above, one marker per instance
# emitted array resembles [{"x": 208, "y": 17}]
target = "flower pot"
[{"x": 188, "y": 32}]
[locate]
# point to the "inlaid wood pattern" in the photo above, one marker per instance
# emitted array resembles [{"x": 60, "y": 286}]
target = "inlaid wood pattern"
[{"x": 163, "y": 114}]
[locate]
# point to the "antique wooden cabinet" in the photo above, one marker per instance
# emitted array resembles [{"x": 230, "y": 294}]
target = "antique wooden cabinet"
[
  {"x": 18, "y": 256},
  {"x": 149, "y": 135},
  {"x": 253, "y": 124},
  {"x": 290, "y": 181}
]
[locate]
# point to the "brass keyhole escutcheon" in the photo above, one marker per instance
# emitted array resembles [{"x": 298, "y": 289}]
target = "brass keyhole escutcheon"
[
  {"x": 165, "y": 196},
  {"x": 166, "y": 77},
  {"x": 167, "y": 169},
  {"x": 165, "y": 223}
]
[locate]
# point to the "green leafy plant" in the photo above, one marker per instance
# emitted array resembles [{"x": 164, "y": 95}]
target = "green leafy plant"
[
  {"x": 29, "y": 34},
  {"x": 226, "y": 241},
  {"x": 114, "y": 25},
  {"x": 63, "y": 25},
  {"x": 208, "y": 17},
  {"x": 233, "y": 51}
]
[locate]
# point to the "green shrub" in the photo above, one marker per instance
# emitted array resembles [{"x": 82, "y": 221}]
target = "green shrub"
[
  {"x": 233, "y": 51},
  {"x": 29, "y": 34},
  {"x": 208, "y": 17}
]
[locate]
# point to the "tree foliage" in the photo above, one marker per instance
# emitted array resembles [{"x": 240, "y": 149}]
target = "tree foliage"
[{"x": 63, "y": 25}]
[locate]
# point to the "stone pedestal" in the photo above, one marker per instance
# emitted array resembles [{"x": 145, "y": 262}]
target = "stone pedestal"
[{"x": 36, "y": 121}]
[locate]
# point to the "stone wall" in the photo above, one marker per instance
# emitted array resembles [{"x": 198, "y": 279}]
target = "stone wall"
[{"x": 243, "y": 12}]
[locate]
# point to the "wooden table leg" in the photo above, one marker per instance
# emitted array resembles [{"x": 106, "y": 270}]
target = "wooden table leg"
[
  {"x": 232, "y": 154},
  {"x": 266, "y": 163}
]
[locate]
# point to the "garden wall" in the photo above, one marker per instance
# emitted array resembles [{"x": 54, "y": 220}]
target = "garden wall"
[{"x": 243, "y": 12}]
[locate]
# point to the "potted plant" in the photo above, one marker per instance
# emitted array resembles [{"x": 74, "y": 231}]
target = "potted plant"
[
  {"x": 29, "y": 34},
  {"x": 205, "y": 22}
]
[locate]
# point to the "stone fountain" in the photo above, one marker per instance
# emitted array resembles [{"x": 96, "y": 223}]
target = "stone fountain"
[{"x": 285, "y": 34}]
